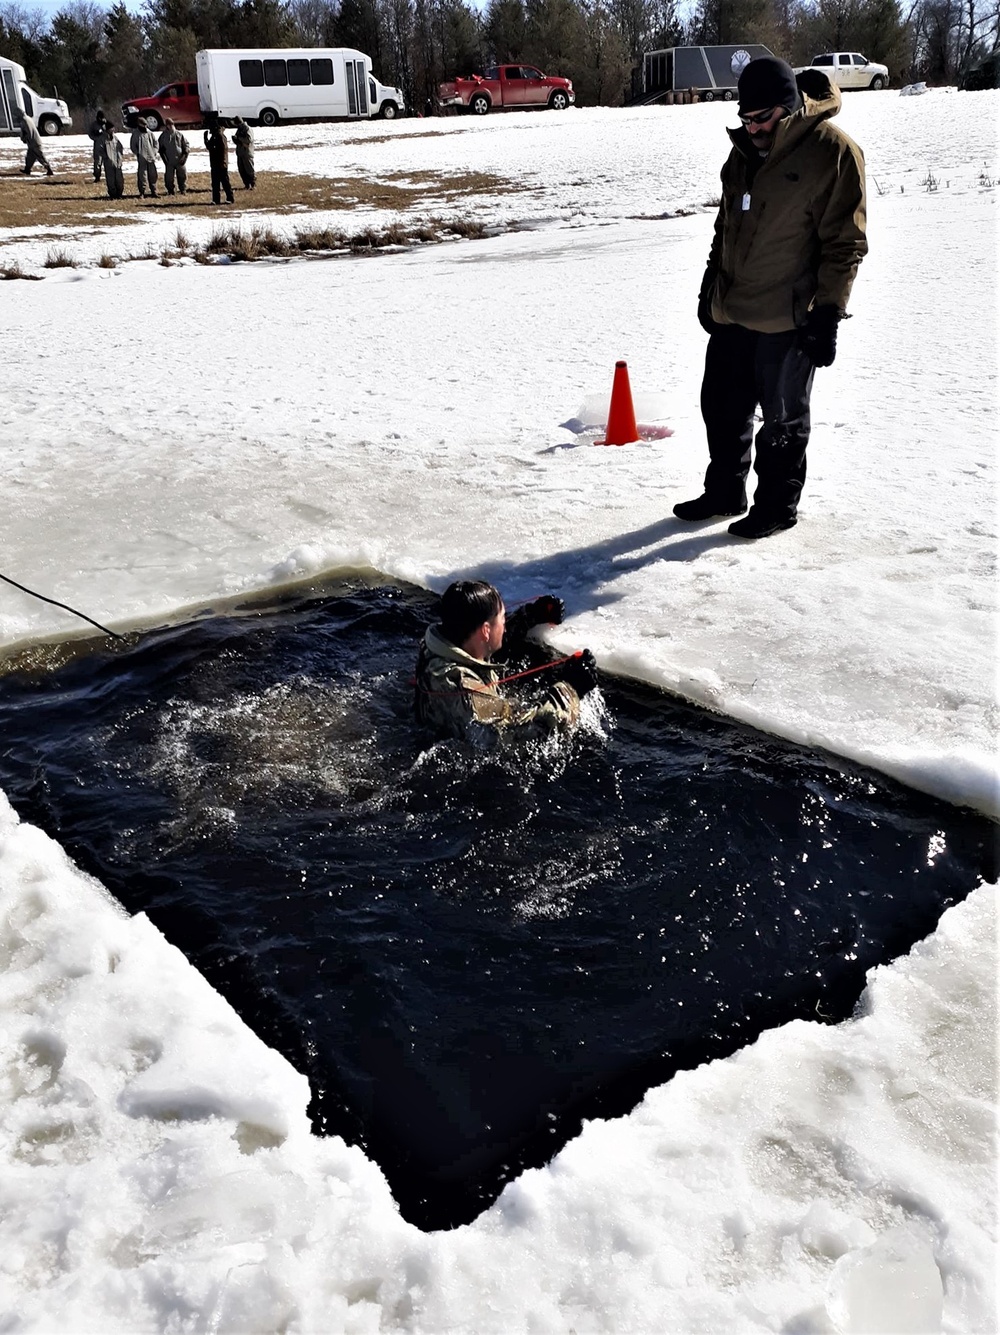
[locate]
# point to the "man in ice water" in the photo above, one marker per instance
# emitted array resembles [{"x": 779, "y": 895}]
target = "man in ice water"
[
  {"x": 789, "y": 236},
  {"x": 457, "y": 685}
]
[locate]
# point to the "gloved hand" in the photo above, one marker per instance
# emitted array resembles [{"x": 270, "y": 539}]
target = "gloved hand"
[
  {"x": 818, "y": 336},
  {"x": 547, "y": 610},
  {"x": 581, "y": 673},
  {"x": 705, "y": 305},
  {"x": 705, "y": 314}
]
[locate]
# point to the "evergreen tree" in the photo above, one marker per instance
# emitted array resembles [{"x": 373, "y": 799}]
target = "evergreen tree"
[
  {"x": 126, "y": 71},
  {"x": 73, "y": 58},
  {"x": 458, "y": 35},
  {"x": 554, "y": 34},
  {"x": 505, "y": 30},
  {"x": 395, "y": 63},
  {"x": 602, "y": 76},
  {"x": 357, "y": 26},
  {"x": 259, "y": 23}
]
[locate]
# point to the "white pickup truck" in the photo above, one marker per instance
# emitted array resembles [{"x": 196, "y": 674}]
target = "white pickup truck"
[{"x": 850, "y": 69}]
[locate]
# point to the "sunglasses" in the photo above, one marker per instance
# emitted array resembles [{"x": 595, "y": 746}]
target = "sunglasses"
[{"x": 758, "y": 117}]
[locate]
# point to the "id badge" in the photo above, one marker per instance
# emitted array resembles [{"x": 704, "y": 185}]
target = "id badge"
[{"x": 746, "y": 203}]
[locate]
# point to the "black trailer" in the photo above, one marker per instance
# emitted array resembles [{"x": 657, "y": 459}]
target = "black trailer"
[{"x": 709, "y": 71}]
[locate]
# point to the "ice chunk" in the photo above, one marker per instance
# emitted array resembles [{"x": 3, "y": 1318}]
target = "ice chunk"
[{"x": 892, "y": 1287}]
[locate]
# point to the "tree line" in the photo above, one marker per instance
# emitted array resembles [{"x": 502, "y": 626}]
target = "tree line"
[{"x": 100, "y": 56}]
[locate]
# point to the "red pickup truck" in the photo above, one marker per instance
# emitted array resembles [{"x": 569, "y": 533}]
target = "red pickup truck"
[{"x": 510, "y": 87}]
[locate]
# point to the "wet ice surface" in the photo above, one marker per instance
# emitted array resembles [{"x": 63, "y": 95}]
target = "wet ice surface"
[{"x": 468, "y": 950}]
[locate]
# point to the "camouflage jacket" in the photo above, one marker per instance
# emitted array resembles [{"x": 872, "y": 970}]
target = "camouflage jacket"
[{"x": 457, "y": 694}]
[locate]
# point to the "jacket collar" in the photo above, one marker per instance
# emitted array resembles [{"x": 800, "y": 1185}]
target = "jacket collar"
[{"x": 437, "y": 645}]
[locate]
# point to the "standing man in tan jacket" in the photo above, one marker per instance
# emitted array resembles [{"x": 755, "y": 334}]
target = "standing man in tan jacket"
[{"x": 789, "y": 237}]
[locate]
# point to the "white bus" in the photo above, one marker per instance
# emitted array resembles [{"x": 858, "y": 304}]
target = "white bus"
[
  {"x": 289, "y": 83},
  {"x": 51, "y": 114}
]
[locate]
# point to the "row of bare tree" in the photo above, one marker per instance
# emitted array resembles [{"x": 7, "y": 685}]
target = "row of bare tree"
[{"x": 100, "y": 56}]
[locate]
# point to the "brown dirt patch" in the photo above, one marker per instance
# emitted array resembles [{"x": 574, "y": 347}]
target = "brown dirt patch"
[
  {"x": 386, "y": 138},
  {"x": 72, "y": 199}
]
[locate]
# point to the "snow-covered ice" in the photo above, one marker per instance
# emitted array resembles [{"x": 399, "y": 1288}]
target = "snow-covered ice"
[{"x": 176, "y": 436}]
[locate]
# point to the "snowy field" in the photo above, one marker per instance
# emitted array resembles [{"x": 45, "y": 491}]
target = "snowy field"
[{"x": 177, "y": 436}]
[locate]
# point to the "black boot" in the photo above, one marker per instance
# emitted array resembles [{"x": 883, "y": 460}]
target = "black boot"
[
  {"x": 757, "y": 525},
  {"x": 707, "y": 507}
]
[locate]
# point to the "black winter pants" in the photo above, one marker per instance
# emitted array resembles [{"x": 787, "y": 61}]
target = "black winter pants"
[
  {"x": 744, "y": 369},
  {"x": 220, "y": 184}
]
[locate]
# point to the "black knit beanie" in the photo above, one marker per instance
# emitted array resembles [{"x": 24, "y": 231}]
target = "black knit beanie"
[{"x": 768, "y": 82}]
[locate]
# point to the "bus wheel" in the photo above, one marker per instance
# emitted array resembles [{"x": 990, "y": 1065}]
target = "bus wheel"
[{"x": 268, "y": 116}]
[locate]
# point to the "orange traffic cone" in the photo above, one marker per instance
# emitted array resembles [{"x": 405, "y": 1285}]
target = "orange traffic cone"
[{"x": 622, "y": 429}]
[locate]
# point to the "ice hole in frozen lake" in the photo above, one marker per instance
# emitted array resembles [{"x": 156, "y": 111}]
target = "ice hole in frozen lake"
[{"x": 466, "y": 952}]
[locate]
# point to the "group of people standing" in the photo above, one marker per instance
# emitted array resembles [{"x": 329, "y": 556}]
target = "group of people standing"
[
  {"x": 171, "y": 148},
  {"x": 218, "y": 158}
]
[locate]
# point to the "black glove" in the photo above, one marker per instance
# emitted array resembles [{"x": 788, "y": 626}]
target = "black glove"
[
  {"x": 705, "y": 314},
  {"x": 581, "y": 672},
  {"x": 818, "y": 336},
  {"x": 705, "y": 305},
  {"x": 547, "y": 610}
]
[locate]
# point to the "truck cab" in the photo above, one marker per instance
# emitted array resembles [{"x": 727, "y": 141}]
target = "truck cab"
[
  {"x": 18, "y": 99},
  {"x": 177, "y": 102},
  {"x": 850, "y": 69}
]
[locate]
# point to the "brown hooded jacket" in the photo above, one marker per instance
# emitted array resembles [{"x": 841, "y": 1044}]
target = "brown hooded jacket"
[{"x": 792, "y": 233}]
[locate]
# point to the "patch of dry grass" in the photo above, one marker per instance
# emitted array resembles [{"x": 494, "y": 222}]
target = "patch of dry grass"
[
  {"x": 27, "y": 201},
  {"x": 57, "y": 258},
  {"x": 14, "y": 270}
]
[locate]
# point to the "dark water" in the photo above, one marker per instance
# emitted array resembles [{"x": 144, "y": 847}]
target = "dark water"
[{"x": 468, "y": 951}]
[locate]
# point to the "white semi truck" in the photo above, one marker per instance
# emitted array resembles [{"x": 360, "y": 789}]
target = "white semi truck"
[
  {"x": 286, "y": 83},
  {"x": 50, "y": 114}
]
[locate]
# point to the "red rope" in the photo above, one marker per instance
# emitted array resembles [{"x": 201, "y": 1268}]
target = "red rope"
[
  {"x": 501, "y": 681},
  {"x": 530, "y": 672}
]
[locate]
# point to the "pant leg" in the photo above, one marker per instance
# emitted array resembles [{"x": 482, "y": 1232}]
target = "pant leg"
[
  {"x": 140, "y": 176},
  {"x": 728, "y": 400},
  {"x": 168, "y": 177},
  {"x": 784, "y": 377},
  {"x": 152, "y": 176},
  {"x": 224, "y": 178},
  {"x": 98, "y": 162},
  {"x": 216, "y": 186},
  {"x": 30, "y": 158},
  {"x": 182, "y": 178}
]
